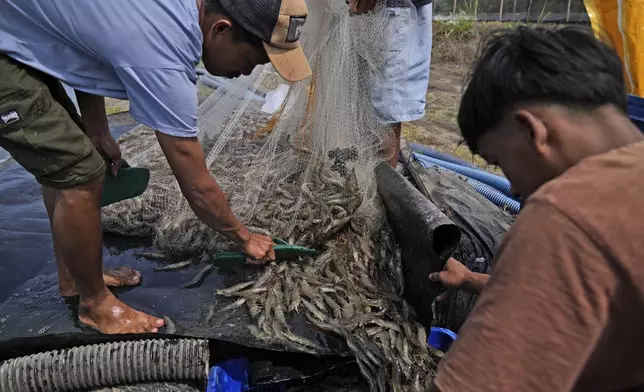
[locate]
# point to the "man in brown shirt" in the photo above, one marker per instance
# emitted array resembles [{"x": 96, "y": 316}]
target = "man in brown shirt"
[{"x": 564, "y": 308}]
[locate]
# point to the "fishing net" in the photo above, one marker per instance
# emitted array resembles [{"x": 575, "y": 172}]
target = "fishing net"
[{"x": 303, "y": 171}]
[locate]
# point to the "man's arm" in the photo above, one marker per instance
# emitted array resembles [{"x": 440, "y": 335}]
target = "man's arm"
[
  {"x": 166, "y": 100},
  {"x": 360, "y": 7},
  {"x": 539, "y": 318},
  {"x": 206, "y": 198},
  {"x": 476, "y": 282},
  {"x": 456, "y": 276},
  {"x": 96, "y": 127}
]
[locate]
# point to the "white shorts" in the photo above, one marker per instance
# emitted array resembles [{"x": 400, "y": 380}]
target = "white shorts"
[{"x": 399, "y": 89}]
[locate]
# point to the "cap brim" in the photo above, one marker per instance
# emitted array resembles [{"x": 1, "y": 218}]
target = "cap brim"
[{"x": 291, "y": 64}]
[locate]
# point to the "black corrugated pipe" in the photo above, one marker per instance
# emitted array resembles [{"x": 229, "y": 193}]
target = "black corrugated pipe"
[{"x": 106, "y": 365}]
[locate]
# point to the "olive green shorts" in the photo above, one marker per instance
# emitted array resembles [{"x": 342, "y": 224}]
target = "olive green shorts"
[{"x": 41, "y": 129}]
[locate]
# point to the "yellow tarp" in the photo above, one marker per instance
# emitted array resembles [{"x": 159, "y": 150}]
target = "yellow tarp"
[{"x": 622, "y": 22}]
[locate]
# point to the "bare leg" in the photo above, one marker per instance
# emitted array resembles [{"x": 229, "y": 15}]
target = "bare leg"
[
  {"x": 397, "y": 132},
  {"x": 76, "y": 230},
  {"x": 66, "y": 284},
  {"x": 123, "y": 276}
]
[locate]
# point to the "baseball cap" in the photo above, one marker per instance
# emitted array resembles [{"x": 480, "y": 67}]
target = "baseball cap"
[{"x": 279, "y": 23}]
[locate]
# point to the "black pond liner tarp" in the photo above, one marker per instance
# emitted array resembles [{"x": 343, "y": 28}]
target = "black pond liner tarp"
[
  {"x": 33, "y": 316},
  {"x": 426, "y": 236},
  {"x": 482, "y": 225},
  {"x": 153, "y": 387}
]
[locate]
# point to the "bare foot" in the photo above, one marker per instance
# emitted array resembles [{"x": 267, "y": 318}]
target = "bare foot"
[
  {"x": 111, "y": 316},
  {"x": 122, "y": 276}
]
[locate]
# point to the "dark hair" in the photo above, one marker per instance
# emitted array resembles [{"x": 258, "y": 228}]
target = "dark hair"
[
  {"x": 526, "y": 65},
  {"x": 239, "y": 33}
]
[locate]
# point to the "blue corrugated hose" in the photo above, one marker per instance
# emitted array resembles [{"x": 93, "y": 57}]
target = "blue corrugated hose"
[
  {"x": 430, "y": 152},
  {"x": 490, "y": 193},
  {"x": 497, "y": 182},
  {"x": 496, "y": 197}
]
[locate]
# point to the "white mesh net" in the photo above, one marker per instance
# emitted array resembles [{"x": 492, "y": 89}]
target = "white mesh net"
[{"x": 304, "y": 174}]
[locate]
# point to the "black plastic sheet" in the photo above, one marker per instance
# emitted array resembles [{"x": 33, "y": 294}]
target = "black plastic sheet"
[
  {"x": 426, "y": 236},
  {"x": 482, "y": 225},
  {"x": 154, "y": 387},
  {"x": 34, "y": 316}
]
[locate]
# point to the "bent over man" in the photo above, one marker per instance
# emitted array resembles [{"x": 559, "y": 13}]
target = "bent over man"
[{"x": 145, "y": 51}]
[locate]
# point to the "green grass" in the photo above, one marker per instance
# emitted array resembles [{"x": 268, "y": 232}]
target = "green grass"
[
  {"x": 444, "y": 104},
  {"x": 459, "y": 29},
  {"x": 417, "y": 134},
  {"x": 456, "y": 41},
  {"x": 465, "y": 29},
  {"x": 116, "y": 110}
]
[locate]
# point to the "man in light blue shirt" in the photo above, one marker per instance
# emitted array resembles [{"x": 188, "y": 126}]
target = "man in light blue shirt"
[{"x": 145, "y": 51}]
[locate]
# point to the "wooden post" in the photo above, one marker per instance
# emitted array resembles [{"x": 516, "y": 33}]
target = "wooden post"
[
  {"x": 454, "y": 12},
  {"x": 501, "y": 12},
  {"x": 568, "y": 12}
]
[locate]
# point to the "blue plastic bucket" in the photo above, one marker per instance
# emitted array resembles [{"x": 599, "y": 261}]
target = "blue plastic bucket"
[
  {"x": 441, "y": 338},
  {"x": 232, "y": 376},
  {"x": 229, "y": 376}
]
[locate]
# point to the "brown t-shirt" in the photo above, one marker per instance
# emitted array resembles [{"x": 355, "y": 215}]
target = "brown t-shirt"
[{"x": 564, "y": 308}]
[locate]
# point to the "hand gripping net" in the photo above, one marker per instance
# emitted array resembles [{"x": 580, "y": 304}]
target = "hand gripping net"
[{"x": 304, "y": 174}]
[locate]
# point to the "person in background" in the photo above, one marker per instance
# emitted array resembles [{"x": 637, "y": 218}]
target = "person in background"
[
  {"x": 145, "y": 51},
  {"x": 400, "y": 93},
  {"x": 564, "y": 308}
]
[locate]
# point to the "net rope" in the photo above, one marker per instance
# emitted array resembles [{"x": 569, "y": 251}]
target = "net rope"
[{"x": 305, "y": 174}]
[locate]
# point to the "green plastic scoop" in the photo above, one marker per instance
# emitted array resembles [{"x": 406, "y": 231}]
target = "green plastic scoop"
[
  {"x": 129, "y": 182},
  {"x": 283, "y": 252}
]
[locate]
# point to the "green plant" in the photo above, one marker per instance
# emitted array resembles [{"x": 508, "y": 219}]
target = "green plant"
[
  {"x": 456, "y": 29},
  {"x": 470, "y": 8},
  {"x": 543, "y": 15}
]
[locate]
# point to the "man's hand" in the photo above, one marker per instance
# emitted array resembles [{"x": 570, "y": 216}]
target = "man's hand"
[
  {"x": 456, "y": 276},
  {"x": 96, "y": 127},
  {"x": 109, "y": 150},
  {"x": 453, "y": 276},
  {"x": 360, "y": 7},
  {"x": 259, "y": 248}
]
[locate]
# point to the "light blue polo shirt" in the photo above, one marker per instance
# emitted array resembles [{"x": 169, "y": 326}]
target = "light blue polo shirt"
[{"x": 145, "y": 51}]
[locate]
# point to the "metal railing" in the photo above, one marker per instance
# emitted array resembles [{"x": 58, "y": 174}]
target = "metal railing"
[{"x": 536, "y": 11}]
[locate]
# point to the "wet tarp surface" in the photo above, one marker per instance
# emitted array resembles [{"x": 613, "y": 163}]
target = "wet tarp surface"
[
  {"x": 481, "y": 223},
  {"x": 426, "y": 236},
  {"x": 31, "y": 309}
]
